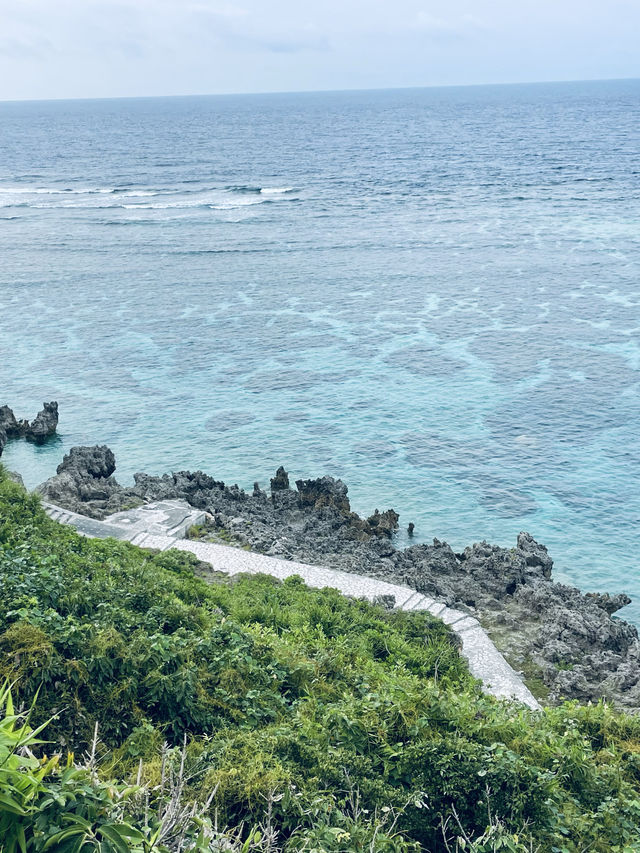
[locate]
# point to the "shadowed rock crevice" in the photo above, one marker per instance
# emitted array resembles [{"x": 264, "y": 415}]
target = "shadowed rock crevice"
[{"x": 566, "y": 641}]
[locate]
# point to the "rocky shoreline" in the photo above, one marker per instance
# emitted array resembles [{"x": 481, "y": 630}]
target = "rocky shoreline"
[{"x": 567, "y": 644}]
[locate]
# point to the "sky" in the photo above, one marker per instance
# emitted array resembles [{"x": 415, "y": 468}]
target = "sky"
[{"x": 118, "y": 48}]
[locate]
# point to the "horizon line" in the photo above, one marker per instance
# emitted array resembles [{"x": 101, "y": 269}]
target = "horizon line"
[{"x": 319, "y": 91}]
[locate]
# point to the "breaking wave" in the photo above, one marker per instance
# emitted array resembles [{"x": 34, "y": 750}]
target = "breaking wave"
[{"x": 213, "y": 198}]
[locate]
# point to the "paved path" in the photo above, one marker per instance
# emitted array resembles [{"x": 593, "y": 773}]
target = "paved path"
[{"x": 162, "y": 525}]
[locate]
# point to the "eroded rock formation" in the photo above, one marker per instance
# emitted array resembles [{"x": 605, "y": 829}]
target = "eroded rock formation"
[
  {"x": 42, "y": 427},
  {"x": 84, "y": 483}
]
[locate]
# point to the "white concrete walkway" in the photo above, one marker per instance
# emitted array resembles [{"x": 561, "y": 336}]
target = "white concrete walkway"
[{"x": 160, "y": 526}]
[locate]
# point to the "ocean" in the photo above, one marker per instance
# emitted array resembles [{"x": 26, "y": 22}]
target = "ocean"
[{"x": 433, "y": 294}]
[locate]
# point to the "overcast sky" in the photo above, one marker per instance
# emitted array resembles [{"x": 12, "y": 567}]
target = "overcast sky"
[{"x": 99, "y": 48}]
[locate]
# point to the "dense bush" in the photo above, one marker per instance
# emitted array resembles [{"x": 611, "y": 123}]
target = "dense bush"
[{"x": 332, "y": 724}]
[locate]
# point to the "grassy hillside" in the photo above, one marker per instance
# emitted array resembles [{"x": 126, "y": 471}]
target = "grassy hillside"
[{"x": 330, "y": 723}]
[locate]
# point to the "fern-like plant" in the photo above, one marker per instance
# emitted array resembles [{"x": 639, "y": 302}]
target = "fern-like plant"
[{"x": 21, "y": 775}]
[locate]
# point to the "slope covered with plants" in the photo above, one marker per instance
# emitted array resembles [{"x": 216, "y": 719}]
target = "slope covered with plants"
[{"x": 289, "y": 718}]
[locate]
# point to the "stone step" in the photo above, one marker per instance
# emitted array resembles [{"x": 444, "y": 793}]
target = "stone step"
[
  {"x": 410, "y": 602},
  {"x": 467, "y": 623},
  {"x": 156, "y": 542},
  {"x": 416, "y": 603},
  {"x": 426, "y": 603},
  {"x": 450, "y": 616}
]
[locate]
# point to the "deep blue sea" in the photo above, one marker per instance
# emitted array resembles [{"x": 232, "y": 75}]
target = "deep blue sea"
[{"x": 433, "y": 294}]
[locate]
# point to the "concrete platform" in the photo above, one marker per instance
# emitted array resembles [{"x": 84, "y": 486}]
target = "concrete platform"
[{"x": 160, "y": 518}]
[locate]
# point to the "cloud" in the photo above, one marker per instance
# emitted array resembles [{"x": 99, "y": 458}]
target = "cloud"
[
  {"x": 136, "y": 27},
  {"x": 457, "y": 26},
  {"x": 221, "y": 10},
  {"x": 21, "y": 48},
  {"x": 84, "y": 47},
  {"x": 274, "y": 43},
  {"x": 246, "y": 30}
]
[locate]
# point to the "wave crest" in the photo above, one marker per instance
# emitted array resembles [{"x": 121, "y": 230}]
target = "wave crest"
[{"x": 178, "y": 197}]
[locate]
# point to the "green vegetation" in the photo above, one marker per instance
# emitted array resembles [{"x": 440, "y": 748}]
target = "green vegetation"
[
  {"x": 46, "y": 806},
  {"x": 301, "y": 720},
  {"x": 532, "y": 675},
  {"x": 209, "y": 532}
]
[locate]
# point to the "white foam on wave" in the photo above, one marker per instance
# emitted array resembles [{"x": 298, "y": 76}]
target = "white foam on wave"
[
  {"x": 127, "y": 198},
  {"x": 155, "y": 206},
  {"x": 186, "y": 205},
  {"x": 167, "y": 205},
  {"x": 66, "y": 205},
  {"x": 79, "y": 197},
  {"x": 214, "y": 200},
  {"x": 235, "y": 203},
  {"x": 275, "y": 190}
]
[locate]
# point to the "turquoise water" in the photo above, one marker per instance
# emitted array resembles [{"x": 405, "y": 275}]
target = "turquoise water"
[{"x": 433, "y": 294}]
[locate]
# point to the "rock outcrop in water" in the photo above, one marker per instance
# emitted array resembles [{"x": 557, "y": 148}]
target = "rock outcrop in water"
[
  {"x": 42, "y": 427},
  {"x": 564, "y": 641},
  {"x": 45, "y": 423}
]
